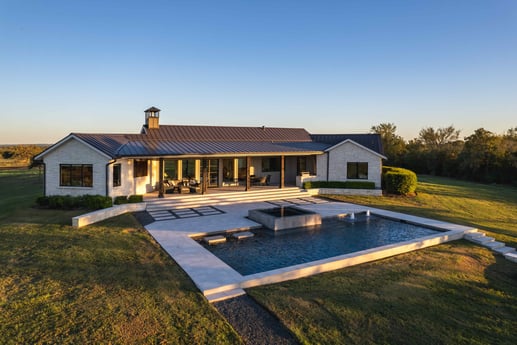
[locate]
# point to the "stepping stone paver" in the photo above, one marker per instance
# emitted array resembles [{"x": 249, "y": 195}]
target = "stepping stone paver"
[
  {"x": 214, "y": 239},
  {"x": 243, "y": 235}
]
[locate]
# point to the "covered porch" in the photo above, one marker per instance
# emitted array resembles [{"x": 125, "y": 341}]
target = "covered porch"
[{"x": 201, "y": 175}]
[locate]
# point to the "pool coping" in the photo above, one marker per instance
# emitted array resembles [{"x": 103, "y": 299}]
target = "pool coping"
[{"x": 218, "y": 281}]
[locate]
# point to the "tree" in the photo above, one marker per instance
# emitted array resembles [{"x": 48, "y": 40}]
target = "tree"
[
  {"x": 440, "y": 149},
  {"x": 394, "y": 145},
  {"x": 482, "y": 156}
]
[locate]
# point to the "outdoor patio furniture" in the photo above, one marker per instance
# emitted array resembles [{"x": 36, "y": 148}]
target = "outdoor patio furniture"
[{"x": 260, "y": 180}]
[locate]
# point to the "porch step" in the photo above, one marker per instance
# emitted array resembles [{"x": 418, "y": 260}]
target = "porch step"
[{"x": 190, "y": 201}]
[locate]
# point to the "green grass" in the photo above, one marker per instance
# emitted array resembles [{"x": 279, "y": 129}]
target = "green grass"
[
  {"x": 491, "y": 208},
  {"x": 455, "y": 293},
  {"x": 111, "y": 283},
  {"x": 449, "y": 294},
  {"x": 107, "y": 283}
]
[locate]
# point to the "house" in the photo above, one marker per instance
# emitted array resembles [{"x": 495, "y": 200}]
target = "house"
[{"x": 124, "y": 164}]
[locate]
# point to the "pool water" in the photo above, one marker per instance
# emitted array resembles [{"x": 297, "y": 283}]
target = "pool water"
[{"x": 270, "y": 250}]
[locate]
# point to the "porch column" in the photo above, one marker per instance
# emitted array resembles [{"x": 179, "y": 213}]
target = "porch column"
[
  {"x": 282, "y": 172},
  {"x": 204, "y": 176},
  {"x": 248, "y": 179},
  {"x": 160, "y": 178}
]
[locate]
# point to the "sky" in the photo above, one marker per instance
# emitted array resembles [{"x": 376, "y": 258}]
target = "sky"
[{"x": 326, "y": 66}]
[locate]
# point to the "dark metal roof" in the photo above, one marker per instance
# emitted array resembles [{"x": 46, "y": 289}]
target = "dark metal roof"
[
  {"x": 217, "y": 140},
  {"x": 371, "y": 141},
  {"x": 228, "y": 133},
  {"x": 107, "y": 143},
  {"x": 170, "y": 148}
]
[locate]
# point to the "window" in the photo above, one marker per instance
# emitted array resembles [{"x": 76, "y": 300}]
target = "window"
[
  {"x": 171, "y": 169},
  {"x": 117, "y": 181},
  {"x": 270, "y": 164},
  {"x": 301, "y": 165},
  {"x": 188, "y": 168},
  {"x": 76, "y": 175},
  {"x": 357, "y": 170},
  {"x": 139, "y": 167}
]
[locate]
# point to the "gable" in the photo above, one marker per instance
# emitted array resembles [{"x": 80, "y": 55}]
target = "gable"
[
  {"x": 70, "y": 144},
  {"x": 351, "y": 143}
]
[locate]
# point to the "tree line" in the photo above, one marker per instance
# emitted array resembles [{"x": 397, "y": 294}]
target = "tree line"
[
  {"x": 482, "y": 156},
  {"x": 20, "y": 152}
]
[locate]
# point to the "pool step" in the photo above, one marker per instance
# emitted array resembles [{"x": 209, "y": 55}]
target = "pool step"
[
  {"x": 214, "y": 239},
  {"x": 243, "y": 235}
]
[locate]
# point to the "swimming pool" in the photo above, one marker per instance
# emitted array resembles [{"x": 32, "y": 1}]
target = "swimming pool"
[{"x": 269, "y": 250}]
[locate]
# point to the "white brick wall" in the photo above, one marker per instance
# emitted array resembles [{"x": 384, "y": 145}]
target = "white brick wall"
[
  {"x": 341, "y": 155},
  {"x": 131, "y": 185},
  {"x": 74, "y": 152}
]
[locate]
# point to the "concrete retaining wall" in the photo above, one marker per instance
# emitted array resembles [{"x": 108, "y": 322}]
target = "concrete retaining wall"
[{"x": 97, "y": 216}]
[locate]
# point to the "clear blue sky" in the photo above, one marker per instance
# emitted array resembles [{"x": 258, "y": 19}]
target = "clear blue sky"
[{"x": 327, "y": 66}]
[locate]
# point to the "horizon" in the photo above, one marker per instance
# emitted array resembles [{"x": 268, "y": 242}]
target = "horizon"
[{"x": 328, "y": 67}]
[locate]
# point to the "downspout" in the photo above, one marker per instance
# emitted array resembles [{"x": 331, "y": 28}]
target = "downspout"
[
  {"x": 107, "y": 174},
  {"x": 44, "y": 179},
  {"x": 328, "y": 164}
]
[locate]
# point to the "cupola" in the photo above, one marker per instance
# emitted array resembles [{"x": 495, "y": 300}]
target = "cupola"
[{"x": 152, "y": 118}]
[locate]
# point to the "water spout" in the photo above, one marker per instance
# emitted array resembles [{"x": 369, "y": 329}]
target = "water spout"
[
  {"x": 352, "y": 215},
  {"x": 367, "y": 213}
]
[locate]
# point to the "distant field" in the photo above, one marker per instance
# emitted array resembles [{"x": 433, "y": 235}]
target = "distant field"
[{"x": 13, "y": 163}]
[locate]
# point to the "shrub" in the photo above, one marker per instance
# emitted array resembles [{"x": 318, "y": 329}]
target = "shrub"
[
  {"x": 339, "y": 184},
  {"x": 43, "y": 201},
  {"x": 96, "y": 202},
  {"x": 119, "y": 200},
  {"x": 68, "y": 202},
  {"x": 398, "y": 180},
  {"x": 135, "y": 198}
]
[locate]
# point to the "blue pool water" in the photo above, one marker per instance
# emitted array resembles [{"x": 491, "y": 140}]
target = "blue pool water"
[{"x": 270, "y": 250}]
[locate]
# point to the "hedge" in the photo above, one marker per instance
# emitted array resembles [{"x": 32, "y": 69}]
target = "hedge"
[
  {"x": 339, "y": 184},
  {"x": 68, "y": 202},
  {"x": 398, "y": 180},
  {"x": 119, "y": 200}
]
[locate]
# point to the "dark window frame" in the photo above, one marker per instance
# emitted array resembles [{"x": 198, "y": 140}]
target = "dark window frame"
[
  {"x": 271, "y": 164},
  {"x": 117, "y": 175},
  {"x": 140, "y": 167},
  {"x": 357, "y": 170},
  {"x": 76, "y": 175}
]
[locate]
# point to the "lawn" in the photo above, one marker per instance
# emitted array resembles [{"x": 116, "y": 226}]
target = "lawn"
[
  {"x": 107, "y": 283},
  {"x": 455, "y": 293},
  {"x": 111, "y": 283}
]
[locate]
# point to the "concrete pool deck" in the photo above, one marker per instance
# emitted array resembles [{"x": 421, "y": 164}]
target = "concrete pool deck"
[{"x": 218, "y": 281}]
